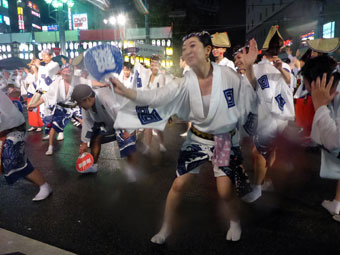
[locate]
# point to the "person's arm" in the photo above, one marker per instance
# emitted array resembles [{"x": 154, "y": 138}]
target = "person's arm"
[
  {"x": 35, "y": 105},
  {"x": 153, "y": 97},
  {"x": 248, "y": 59},
  {"x": 279, "y": 66},
  {"x": 95, "y": 83},
  {"x": 325, "y": 129}
]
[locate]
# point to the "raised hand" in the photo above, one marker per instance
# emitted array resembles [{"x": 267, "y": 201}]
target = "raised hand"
[
  {"x": 321, "y": 92},
  {"x": 249, "y": 58}
]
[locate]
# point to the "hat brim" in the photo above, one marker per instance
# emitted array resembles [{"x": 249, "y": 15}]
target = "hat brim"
[{"x": 324, "y": 45}]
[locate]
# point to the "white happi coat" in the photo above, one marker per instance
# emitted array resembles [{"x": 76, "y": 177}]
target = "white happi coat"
[
  {"x": 10, "y": 116},
  {"x": 32, "y": 86},
  {"x": 107, "y": 105},
  {"x": 56, "y": 93},
  {"x": 46, "y": 75},
  {"x": 232, "y": 98},
  {"x": 326, "y": 132},
  {"x": 3, "y": 85},
  {"x": 127, "y": 82},
  {"x": 276, "y": 105},
  {"x": 142, "y": 76},
  {"x": 227, "y": 62}
]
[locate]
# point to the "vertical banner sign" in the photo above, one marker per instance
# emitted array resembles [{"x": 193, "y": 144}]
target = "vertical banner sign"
[{"x": 103, "y": 59}]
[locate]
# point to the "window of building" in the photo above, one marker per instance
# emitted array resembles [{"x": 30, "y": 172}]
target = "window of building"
[
  {"x": 252, "y": 23},
  {"x": 5, "y": 3},
  {"x": 266, "y": 12},
  {"x": 6, "y": 20},
  {"x": 260, "y": 17},
  {"x": 252, "y": 7},
  {"x": 273, "y": 7},
  {"x": 328, "y": 30},
  {"x": 280, "y": 2}
]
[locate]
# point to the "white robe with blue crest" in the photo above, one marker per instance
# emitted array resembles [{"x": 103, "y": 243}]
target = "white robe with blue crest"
[{"x": 232, "y": 99}]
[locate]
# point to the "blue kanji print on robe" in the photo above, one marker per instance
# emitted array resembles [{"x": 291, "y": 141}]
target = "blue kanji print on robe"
[
  {"x": 280, "y": 101},
  {"x": 47, "y": 79},
  {"x": 145, "y": 116},
  {"x": 263, "y": 81},
  {"x": 138, "y": 80},
  {"x": 251, "y": 124},
  {"x": 229, "y": 96}
]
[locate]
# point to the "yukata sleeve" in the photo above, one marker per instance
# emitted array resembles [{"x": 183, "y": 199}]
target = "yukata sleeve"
[
  {"x": 247, "y": 104},
  {"x": 325, "y": 129},
  {"x": 87, "y": 125},
  {"x": 50, "y": 97},
  {"x": 153, "y": 108},
  {"x": 159, "y": 96}
]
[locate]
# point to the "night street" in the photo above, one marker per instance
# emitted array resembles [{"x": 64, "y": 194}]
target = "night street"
[{"x": 105, "y": 213}]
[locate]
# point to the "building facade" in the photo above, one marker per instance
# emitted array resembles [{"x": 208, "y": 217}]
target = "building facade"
[
  {"x": 298, "y": 21},
  {"x": 5, "y": 24}
]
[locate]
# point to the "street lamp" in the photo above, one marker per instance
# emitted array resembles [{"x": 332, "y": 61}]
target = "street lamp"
[
  {"x": 119, "y": 20},
  {"x": 59, "y": 5}
]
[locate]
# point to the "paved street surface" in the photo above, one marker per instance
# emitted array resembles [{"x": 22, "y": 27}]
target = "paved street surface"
[{"x": 114, "y": 212}]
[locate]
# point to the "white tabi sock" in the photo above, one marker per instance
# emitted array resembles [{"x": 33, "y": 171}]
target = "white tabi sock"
[
  {"x": 49, "y": 151},
  {"x": 254, "y": 195},
  {"x": 234, "y": 232},
  {"x": 44, "y": 192},
  {"x": 333, "y": 207},
  {"x": 162, "y": 235}
]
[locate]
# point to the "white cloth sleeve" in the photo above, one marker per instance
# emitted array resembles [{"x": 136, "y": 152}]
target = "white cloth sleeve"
[
  {"x": 325, "y": 130},
  {"x": 160, "y": 96},
  {"x": 86, "y": 126}
]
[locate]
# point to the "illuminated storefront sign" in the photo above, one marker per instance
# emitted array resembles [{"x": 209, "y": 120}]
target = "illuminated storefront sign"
[
  {"x": 36, "y": 26},
  {"x": 80, "y": 21},
  {"x": 35, "y": 13},
  {"x": 50, "y": 28}
]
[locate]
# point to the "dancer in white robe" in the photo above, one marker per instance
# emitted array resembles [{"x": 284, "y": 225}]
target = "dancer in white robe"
[
  {"x": 220, "y": 43},
  {"x": 147, "y": 79},
  {"x": 100, "y": 108},
  {"x": 46, "y": 75},
  {"x": 14, "y": 163},
  {"x": 321, "y": 77},
  {"x": 59, "y": 108},
  {"x": 275, "y": 108},
  {"x": 232, "y": 98}
]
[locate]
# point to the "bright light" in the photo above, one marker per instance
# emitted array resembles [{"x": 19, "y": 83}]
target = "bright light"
[
  {"x": 112, "y": 20},
  {"x": 48, "y": 1},
  {"x": 105, "y": 21},
  {"x": 121, "y": 20},
  {"x": 56, "y": 4},
  {"x": 64, "y": 1},
  {"x": 70, "y": 3}
]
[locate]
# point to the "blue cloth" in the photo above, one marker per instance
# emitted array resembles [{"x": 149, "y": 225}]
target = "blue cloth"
[
  {"x": 194, "y": 154},
  {"x": 15, "y": 164},
  {"x": 127, "y": 145}
]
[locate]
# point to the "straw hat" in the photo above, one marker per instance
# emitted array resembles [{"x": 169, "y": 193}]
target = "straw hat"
[
  {"x": 221, "y": 40},
  {"x": 273, "y": 30},
  {"x": 324, "y": 45},
  {"x": 78, "y": 60}
]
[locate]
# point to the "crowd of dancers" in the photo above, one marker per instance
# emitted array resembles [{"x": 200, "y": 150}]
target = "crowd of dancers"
[{"x": 222, "y": 101}]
